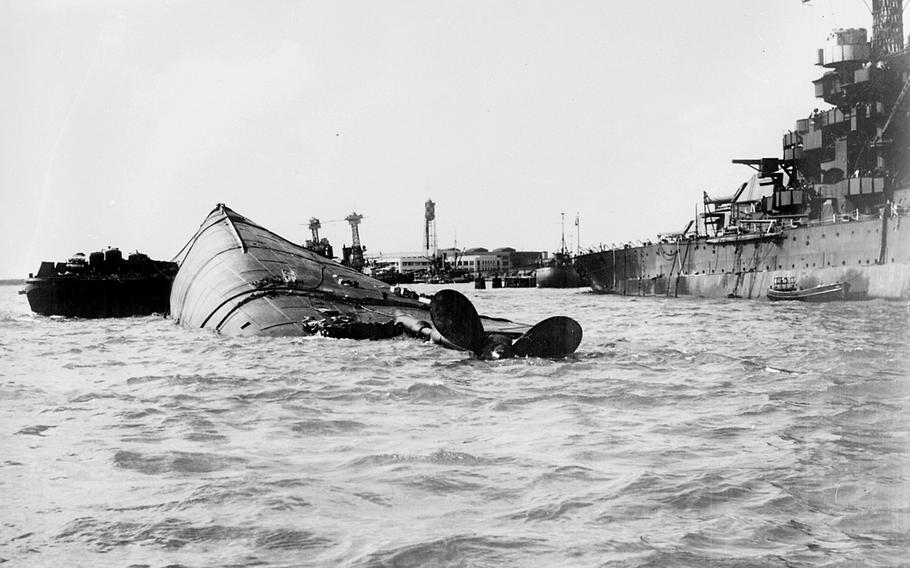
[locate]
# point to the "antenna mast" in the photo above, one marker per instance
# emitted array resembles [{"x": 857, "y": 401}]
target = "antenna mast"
[
  {"x": 577, "y": 234},
  {"x": 563, "y": 247}
]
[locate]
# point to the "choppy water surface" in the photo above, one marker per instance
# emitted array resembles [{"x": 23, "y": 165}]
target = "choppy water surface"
[{"x": 684, "y": 432}]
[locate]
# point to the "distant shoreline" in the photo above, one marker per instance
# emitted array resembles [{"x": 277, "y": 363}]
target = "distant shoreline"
[{"x": 11, "y": 281}]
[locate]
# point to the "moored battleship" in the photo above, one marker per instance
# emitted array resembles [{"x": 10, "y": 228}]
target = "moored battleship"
[{"x": 832, "y": 208}]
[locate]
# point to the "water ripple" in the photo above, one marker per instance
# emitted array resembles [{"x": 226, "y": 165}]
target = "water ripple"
[{"x": 174, "y": 462}]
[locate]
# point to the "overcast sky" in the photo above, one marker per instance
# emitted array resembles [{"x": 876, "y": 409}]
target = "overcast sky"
[{"x": 124, "y": 123}]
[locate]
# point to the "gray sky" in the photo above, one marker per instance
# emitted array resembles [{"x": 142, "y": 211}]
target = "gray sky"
[{"x": 124, "y": 123}]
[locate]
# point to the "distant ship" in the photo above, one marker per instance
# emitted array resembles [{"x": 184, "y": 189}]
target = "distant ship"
[
  {"x": 559, "y": 271},
  {"x": 830, "y": 210},
  {"x": 101, "y": 286}
]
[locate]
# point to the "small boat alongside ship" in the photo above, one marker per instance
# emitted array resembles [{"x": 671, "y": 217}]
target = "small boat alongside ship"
[
  {"x": 832, "y": 208},
  {"x": 786, "y": 288},
  {"x": 103, "y": 285},
  {"x": 238, "y": 278}
]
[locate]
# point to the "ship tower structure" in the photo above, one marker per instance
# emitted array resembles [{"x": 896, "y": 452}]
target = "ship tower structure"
[
  {"x": 316, "y": 244},
  {"x": 353, "y": 255},
  {"x": 852, "y": 157},
  {"x": 430, "y": 245},
  {"x": 438, "y": 266}
]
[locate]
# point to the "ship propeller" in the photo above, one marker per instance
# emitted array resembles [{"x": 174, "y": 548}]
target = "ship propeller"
[{"x": 456, "y": 320}]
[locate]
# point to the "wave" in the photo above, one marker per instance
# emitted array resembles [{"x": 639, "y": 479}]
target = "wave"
[
  {"x": 174, "y": 534},
  {"x": 424, "y": 392},
  {"x": 440, "y": 484},
  {"x": 461, "y": 550},
  {"x": 439, "y": 457},
  {"x": 174, "y": 462},
  {"x": 550, "y": 512},
  {"x": 327, "y": 427},
  {"x": 36, "y": 430}
]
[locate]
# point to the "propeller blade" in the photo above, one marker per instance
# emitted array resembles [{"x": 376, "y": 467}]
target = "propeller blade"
[
  {"x": 552, "y": 338},
  {"x": 456, "y": 320}
]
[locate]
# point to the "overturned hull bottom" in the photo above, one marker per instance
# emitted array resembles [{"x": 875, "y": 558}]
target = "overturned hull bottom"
[{"x": 888, "y": 281}]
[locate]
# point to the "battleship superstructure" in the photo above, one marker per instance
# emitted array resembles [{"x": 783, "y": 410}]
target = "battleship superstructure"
[{"x": 833, "y": 208}]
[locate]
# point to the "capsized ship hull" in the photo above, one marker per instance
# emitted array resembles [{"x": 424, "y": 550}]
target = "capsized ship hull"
[
  {"x": 872, "y": 256},
  {"x": 239, "y": 278}
]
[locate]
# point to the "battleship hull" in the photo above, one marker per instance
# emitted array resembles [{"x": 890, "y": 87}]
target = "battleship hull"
[
  {"x": 871, "y": 256},
  {"x": 239, "y": 278}
]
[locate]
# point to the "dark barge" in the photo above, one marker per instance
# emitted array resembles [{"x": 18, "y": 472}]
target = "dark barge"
[{"x": 102, "y": 286}]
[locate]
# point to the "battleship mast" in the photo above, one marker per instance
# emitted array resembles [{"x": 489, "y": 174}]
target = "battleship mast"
[
  {"x": 887, "y": 27},
  {"x": 315, "y": 225},
  {"x": 317, "y": 245},
  {"x": 356, "y": 250}
]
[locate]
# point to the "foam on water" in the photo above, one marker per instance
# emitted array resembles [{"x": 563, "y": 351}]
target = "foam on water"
[{"x": 684, "y": 432}]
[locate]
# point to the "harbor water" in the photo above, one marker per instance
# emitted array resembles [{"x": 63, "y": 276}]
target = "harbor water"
[{"x": 684, "y": 432}]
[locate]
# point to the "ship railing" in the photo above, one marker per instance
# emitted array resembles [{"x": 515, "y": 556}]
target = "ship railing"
[
  {"x": 791, "y": 221},
  {"x": 845, "y": 217},
  {"x": 773, "y": 225}
]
